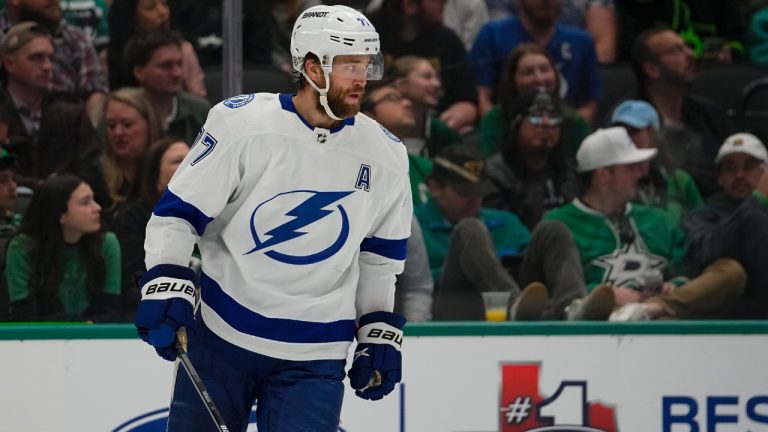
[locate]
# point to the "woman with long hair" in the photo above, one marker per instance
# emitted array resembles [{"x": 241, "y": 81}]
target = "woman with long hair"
[
  {"x": 131, "y": 126},
  {"x": 160, "y": 162},
  {"x": 418, "y": 81},
  {"x": 528, "y": 66},
  {"x": 62, "y": 265},
  {"x": 531, "y": 173},
  {"x": 128, "y": 17}
]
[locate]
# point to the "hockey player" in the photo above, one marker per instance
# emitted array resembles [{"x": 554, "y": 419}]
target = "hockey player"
[{"x": 301, "y": 209}]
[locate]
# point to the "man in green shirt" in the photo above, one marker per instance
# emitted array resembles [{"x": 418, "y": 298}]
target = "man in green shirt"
[
  {"x": 473, "y": 250},
  {"x": 636, "y": 248}
]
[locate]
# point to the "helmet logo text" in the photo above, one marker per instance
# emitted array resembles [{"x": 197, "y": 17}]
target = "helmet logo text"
[{"x": 315, "y": 14}]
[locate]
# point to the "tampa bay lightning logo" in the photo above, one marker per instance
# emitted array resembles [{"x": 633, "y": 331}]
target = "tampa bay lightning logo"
[
  {"x": 391, "y": 136},
  {"x": 239, "y": 101},
  {"x": 306, "y": 208}
]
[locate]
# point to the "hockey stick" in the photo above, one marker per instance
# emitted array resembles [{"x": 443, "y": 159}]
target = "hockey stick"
[
  {"x": 375, "y": 381},
  {"x": 181, "y": 351}
]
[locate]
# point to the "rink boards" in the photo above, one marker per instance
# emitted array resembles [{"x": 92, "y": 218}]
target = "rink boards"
[{"x": 464, "y": 377}]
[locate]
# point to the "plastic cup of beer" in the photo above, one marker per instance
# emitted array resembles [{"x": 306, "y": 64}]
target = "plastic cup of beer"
[{"x": 496, "y": 305}]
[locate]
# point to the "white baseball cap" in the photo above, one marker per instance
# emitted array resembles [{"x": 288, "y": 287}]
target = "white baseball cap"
[
  {"x": 742, "y": 143},
  {"x": 608, "y": 147}
]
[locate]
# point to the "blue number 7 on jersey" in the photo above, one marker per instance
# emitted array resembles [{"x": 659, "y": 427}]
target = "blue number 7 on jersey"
[{"x": 209, "y": 142}]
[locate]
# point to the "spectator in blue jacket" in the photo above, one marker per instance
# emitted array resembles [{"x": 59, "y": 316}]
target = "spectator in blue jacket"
[{"x": 572, "y": 48}]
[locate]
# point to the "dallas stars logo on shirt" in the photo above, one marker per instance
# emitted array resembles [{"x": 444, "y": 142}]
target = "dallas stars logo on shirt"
[{"x": 628, "y": 265}]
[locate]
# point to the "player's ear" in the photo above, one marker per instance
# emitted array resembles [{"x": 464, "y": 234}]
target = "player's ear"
[
  {"x": 313, "y": 69},
  {"x": 651, "y": 69}
]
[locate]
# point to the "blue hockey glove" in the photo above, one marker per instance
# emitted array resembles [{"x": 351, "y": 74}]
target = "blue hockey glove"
[
  {"x": 167, "y": 302},
  {"x": 377, "y": 365}
]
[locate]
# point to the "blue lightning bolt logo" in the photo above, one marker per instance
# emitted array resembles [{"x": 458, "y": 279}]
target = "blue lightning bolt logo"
[{"x": 309, "y": 211}]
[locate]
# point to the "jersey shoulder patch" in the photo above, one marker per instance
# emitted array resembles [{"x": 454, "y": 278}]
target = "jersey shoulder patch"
[
  {"x": 389, "y": 134},
  {"x": 239, "y": 101}
]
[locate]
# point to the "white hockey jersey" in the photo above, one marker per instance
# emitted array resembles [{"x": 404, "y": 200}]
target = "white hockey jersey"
[{"x": 301, "y": 229}]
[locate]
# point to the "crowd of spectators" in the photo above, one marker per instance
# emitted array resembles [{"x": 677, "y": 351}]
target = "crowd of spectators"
[{"x": 518, "y": 183}]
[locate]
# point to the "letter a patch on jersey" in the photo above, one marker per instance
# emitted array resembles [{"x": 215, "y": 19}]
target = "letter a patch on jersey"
[{"x": 364, "y": 178}]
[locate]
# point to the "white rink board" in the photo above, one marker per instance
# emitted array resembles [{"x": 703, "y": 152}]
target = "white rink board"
[{"x": 451, "y": 383}]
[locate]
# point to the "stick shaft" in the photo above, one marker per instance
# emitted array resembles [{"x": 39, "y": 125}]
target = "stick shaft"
[{"x": 197, "y": 382}]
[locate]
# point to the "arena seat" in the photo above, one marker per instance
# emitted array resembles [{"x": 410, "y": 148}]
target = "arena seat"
[
  {"x": 619, "y": 83},
  {"x": 723, "y": 84},
  {"x": 752, "y": 113}
]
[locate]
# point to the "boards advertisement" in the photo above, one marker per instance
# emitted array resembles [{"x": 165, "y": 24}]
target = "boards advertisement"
[{"x": 504, "y": 383}]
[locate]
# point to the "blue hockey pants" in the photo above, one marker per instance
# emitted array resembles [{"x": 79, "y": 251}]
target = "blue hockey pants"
[{"x": 291, "y": 396}]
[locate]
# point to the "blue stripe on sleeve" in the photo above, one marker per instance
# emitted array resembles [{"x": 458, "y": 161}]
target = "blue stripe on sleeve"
[
  {"x": 392, "y": 249},
  {"x": 171, "y": 205},
  {"x": 249, "y": 322}
]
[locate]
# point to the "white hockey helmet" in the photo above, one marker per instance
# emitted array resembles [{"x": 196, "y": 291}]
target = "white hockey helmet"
[{"x": 330, "y": 31}]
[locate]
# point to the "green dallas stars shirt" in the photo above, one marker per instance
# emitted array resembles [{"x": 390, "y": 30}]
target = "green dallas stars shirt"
[
  {"x": 607, "y": 256},
  {"x": 509, "y": 235}
]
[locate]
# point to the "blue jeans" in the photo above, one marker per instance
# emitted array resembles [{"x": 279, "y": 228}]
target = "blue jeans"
[{"x": 291, "y": 396}]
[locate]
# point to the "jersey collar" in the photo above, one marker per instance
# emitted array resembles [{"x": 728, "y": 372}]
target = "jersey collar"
[
  {"x": 286, "y": 102},
  {"x": 579, "y": 204}
]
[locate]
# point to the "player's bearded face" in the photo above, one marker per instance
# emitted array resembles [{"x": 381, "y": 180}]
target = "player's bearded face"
[{"x": 341, "y": 101}]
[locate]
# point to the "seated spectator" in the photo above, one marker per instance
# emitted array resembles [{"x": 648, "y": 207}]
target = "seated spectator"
[
  {"x": 155, "y": 59},
  {"x": 77, "y": 73},
  {"x": 637, "y": 249},
  {"x": 62, "y": 266},
  {"x": 598, "y": 17},
  {"x": 572, "y": 48},
  {"x": 131, "y": 126},
  {"x": 90, "y": 16},
  {"x": 528, "y": 66},
  {"x": 413, "y": 27},
  {"x": 418, "y": 81},
  {"x": 9, "y": 222},
  {"x": 414, "y": 288},
  {"x": 130, "y": 17},
  {"x": 473, "y": 250},
  {"x": 160, "y": 162},
  {"x": 45, "y": 133},
  {"x": 662, "y": 184},
  {"x": 692, "y": 126},
  {"x": 385, "y": 104},
  {"x": 531, "y": 173},
  {"x": 734, "y": 222},
  {"x": 715, "y": 30}
]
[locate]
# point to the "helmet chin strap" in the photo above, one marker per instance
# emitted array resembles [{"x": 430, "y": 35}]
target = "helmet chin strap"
[{"x": 323, "y": 94}]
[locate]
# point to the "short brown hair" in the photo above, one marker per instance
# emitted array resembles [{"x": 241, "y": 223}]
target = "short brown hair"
[{"x": 21, "y": 34}]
